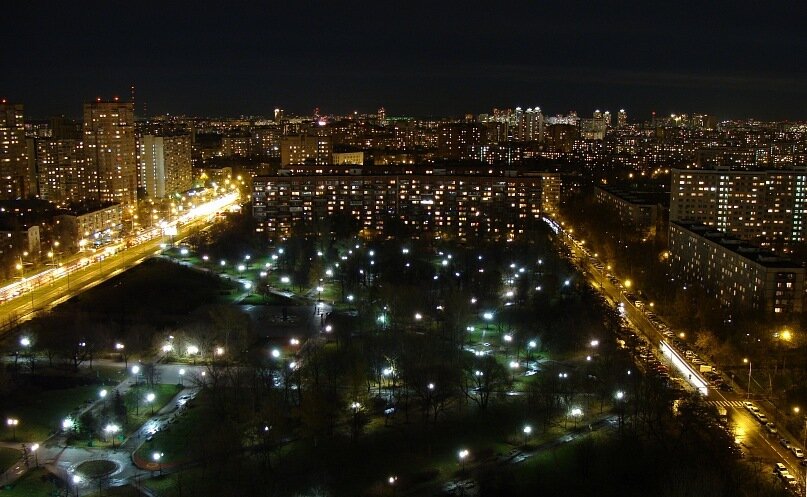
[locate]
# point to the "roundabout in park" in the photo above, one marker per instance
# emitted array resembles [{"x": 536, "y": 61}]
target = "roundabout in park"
[{"x": 97, "y": 468}]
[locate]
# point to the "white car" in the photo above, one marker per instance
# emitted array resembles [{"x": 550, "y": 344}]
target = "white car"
[{"x": 797, "y": 452}]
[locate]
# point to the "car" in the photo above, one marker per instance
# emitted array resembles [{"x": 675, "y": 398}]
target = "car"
[
  {"x": 762, "y": 417},
  {"x": 789, "y": 479},
  {"x": 797, "y": 452},
  {"x": 725, "y": 387},
  {"x": 771, "y": 427},
  {"x": 779, "y": 468}
]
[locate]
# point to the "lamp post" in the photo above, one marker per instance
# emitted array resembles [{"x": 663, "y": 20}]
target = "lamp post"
[
  {"x": 34, "y": 449},
  {"x": 527, "y": 431},
  {"x": 76, "y": 481},
  {"x": 150, "y": 399},
  {"x": 181, "y": 374},
  {"x": 462, "y": 455},
  {"x": 392, "y": 480},
  {"x": 748, "y": 392},
  {"x": 112, "y": 430},
  {"x": 12, "y": 423},
  {"x": 157, "y": 456}
]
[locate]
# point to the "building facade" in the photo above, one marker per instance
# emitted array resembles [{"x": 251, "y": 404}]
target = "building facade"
[
  {"x": 89, "y": 224},
  {"x": 16, "y": 178},
  {"x": 165, "y": 164},
  {"x": 633, "y": 209},
  {"x": 735, "y": 272},
  {"x": 765, "y": 207},
  {"x": 305, "y": 149},
  {"x": 62, "y": 173},
  {"x": 109, "y": 142},
  {"x": 461, "y": 203}
]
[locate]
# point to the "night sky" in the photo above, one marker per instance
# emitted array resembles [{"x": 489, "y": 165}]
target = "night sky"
[{"x": 229, "y": 58}]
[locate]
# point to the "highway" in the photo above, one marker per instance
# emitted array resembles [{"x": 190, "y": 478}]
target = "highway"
[
  {"x": 44, "y": 290},
  {"x": 758, "y": 443}
]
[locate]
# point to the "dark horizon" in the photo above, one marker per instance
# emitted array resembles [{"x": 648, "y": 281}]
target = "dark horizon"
[{"x": 211, "y": 59}]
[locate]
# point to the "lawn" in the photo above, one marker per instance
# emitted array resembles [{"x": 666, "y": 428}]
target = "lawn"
[
  {"x": 8, "y": 457},
  {"x": 139, "y": 410},
  {"x": 41, "y": 413},
  {"x": 174, "y": 441},
  {"x": 36, "y": 483},
  {"x": 156, "y": 291}
]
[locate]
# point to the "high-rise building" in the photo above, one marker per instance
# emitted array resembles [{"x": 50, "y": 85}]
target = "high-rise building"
[
  {"x": 621, "y": 119},
  {"x": 735, "y": 272},
  {"x": 165, "y": 164},
  {"x": 453, "y": 201},
  {"x": 460, "y": 141},
  {"x": 15, "y": 173},
  {"x": 302, "y": 149},
  {"x": 62, "y": 173},
  {"x": 109, "y": 141},
  {"x": 765, "y": 207}
]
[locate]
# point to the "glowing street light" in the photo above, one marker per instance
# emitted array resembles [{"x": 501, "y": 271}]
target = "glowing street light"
[
  {"x": 157, "y": 456},
  {"x": 619, "y": 395},
  {"x": 463, "y": 455},
  {"x": 25, "y": 342},
  {"x": 748, "y": 393},
  {"x": 68, "y": 424},
  {"x": 181, "y": 374},
  {"x": 418, "y": 316},
  {"x": 192, "y": 350},
  {"x": 102, "y": 393},
  {"x": 112, "y": 430},
  {"x": 275, "y": 353},
  {"x": 527, "y": 431},
  {"x": 12, "y": 423}
]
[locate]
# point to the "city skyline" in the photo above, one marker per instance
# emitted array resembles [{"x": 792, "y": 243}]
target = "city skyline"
[{"x": 416, "y": 59}]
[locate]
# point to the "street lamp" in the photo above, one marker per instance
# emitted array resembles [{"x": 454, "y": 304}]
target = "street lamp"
[
  {"x": 392, "y": 480},
  {"x": 150, "y": 399},
  {"x": 112, "y": 430},
  {"x": 136, "y": 372},
  {"x": 157, "y": 456},
  {"x": 576, "y": 413},
  {"x": 12, "y": 423},
  {"x": 748, "y": 392},
  {"x": 76, "y": 480},
  {"x": 67, "y": 424},
  {"x": 462, "y": 455},
  {"x": 527, "y": 431},
  {"x": 275, "y": 353},
  {"x": 34, "y": 449},
  {"x": 181, "y": 374}
]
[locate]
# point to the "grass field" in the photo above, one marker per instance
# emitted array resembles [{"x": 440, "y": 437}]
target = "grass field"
[
  {"x": 36, "y": 483},
  {"x": 139, "y": 410},
  {"x": 42, "y": 413},
  {"x": 8, "y": 457},
  {"x": 174, "y": 441}
]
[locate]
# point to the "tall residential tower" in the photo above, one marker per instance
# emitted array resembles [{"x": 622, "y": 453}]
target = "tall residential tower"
[{"x": 109, "y": 141}]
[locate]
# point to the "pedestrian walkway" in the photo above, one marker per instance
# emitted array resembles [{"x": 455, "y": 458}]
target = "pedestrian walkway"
[{"x": 727, "y": 403}]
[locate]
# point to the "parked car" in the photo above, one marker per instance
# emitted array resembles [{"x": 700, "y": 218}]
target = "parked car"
[{"x": 797, "y": 452}]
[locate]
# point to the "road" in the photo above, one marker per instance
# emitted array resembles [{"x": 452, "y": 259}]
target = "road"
[
  {"x": 749, "y": 432},
  {"x": 61, "y": 284}
]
